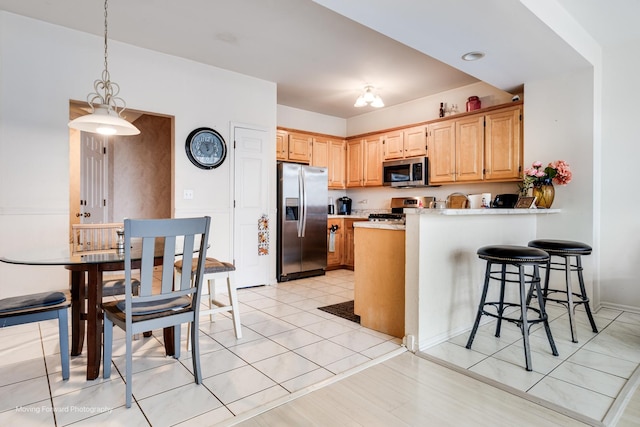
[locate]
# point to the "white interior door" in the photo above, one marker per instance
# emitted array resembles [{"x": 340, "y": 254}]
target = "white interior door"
[
  {"x": 252, "y": 160},
  {"x": 93, "y": 178}
]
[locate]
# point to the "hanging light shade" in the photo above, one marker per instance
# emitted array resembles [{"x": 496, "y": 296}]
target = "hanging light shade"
[
  {"x": 369, "y": 97},
  {"x": 106, "y": 106}
]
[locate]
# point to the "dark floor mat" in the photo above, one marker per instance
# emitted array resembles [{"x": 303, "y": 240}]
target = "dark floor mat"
[{"x": 343, "y": 309}]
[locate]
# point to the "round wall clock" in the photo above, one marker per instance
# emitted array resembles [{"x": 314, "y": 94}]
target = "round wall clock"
[{"x": 206, "y": 148}]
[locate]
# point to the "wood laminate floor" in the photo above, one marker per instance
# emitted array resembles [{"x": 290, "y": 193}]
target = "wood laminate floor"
[{"x": 410, "y": 391}]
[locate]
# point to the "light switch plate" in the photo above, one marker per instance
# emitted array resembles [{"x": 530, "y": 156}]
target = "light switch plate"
[{"x": 188, "y": 194}]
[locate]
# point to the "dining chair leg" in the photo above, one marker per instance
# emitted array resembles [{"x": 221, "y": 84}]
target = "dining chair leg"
[
  {"x": 177, "y": 332},
  {"x": 108, "y": 347},
  {"x": 129, "y": 366},
  {"x": 233, "y": 297},
  {"x": 63, "y": 331},
  {"x": 195, "y": 352}
]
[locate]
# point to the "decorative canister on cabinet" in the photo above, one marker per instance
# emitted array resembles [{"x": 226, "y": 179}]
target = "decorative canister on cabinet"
[{"x": 473, "y": 103}]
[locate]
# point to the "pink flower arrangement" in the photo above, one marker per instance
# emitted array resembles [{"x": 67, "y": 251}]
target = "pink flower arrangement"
[{"x": 557, "y": 172}]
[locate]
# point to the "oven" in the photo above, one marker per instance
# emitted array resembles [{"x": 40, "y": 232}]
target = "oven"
[{"x": 406, "y": 173}]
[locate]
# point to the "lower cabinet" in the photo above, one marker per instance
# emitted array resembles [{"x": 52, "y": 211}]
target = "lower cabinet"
[
  {"x": 379, "y": 289},
  {"x": 335, "y": 243},
  {"x": 340, "y": 247}
]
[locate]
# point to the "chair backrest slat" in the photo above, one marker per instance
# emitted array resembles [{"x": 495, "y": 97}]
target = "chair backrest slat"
[{"x": 94, "y": 237}]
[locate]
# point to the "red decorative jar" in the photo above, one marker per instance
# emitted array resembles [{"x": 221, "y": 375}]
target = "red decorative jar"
[{"x": 473, "y": 103}]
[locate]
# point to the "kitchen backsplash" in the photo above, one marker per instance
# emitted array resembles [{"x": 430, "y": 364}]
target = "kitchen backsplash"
[{"x": 377, "y": 199}]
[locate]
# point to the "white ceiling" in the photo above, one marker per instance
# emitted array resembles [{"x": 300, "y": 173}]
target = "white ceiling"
[{"x": 321, "y": 59}]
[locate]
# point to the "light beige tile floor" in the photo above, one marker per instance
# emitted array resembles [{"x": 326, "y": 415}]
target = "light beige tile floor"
[
  {"x": 287, "y": 345},
  {"x": 586, "y": 378}
]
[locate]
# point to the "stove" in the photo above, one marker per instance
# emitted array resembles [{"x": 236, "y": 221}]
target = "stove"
[
  {"x": 399, "y": 203},
  {"x": 396, "y": 218}
]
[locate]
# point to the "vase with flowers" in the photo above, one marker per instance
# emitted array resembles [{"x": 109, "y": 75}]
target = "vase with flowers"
[{"x": 541, "y": 181}]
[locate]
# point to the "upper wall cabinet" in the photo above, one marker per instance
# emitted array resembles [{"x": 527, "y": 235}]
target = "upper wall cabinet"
[
  {"x": 481, "y": 147},
  {"x": 503, "y": 145},
  {"x": 364, "y": 161},
  {"x": 330, "y": 153},
  {"x": 403, "y": 143},
  {"x": 293, "y": 146}
]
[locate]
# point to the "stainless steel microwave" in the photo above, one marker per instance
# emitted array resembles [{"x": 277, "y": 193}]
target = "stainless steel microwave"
[{"x": 406, "y": 173}]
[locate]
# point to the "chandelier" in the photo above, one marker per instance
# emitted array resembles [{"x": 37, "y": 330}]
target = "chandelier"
[
  {"x": 369, "y": 97},
  {"x": 106, "y": 106}
]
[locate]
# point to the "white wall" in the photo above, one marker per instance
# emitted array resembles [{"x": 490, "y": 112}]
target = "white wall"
[
  {"x": 294, "y": 118},
  {"x": 559, "y": 126},
  {"x": 620, "y": 222},
  {"x": 424, "y": 109},
  {"x": 44, "y": 66}
]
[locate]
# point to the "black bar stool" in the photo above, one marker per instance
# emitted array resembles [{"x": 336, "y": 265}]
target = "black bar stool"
[
  {"x": 519, "y": 257},
  {"x": 567, "y": 249}
]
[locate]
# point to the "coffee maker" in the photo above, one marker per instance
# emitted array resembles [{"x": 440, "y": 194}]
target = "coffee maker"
[{"x": 344, "y": 206}]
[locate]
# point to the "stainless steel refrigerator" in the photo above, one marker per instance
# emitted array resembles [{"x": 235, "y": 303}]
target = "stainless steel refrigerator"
[{"x": 302, "y": 221}]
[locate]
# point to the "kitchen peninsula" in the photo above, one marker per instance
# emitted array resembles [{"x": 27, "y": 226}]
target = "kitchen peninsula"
[{"x": 442, "y": 274}]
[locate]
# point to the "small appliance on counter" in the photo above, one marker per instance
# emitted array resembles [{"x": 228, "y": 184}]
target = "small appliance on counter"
[
  {"x": 344, "y": 206},
  {"x": 505, "y": 201},
  {"x": 330, "y": 207}
]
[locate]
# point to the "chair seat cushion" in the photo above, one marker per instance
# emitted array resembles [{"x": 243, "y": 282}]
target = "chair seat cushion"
[
  {"x": 24, "y": 302},
  {"x": 116, "y": 286},
  {"x": 211, "y": 265},
  {"x": 152, "y": 307},
  {"x": 561, "y": 246},
  {"x": 509, "y": 253}
]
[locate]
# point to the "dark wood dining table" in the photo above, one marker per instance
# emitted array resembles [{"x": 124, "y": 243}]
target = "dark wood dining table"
[{"x": 88, "y": 268}]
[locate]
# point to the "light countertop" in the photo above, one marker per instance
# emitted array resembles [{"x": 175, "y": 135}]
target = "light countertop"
[
  {"x": 379, "y": 225},
  {"x": 494, "y": 211}
]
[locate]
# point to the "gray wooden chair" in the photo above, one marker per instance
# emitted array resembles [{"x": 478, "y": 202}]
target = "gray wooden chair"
[
  {"x": 214, "y": 270},
  {"x": 163, "y": 306},
  {"x": 36, "y": 308}
]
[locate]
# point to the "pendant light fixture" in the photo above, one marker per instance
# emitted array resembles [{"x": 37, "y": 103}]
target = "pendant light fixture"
[
  {"x": 106, "y": 106},
  {"x": 369, "y": 97}
]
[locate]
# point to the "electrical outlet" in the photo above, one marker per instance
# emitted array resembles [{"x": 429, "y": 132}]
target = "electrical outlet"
[
  {"x": 363, "y": 201},
  {"x": 188, "y": 194}
]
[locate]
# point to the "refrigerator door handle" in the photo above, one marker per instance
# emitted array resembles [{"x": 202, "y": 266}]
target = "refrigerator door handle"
[
  {"x": 303, "y": 202},
  {"x": 300, "y": 224}
]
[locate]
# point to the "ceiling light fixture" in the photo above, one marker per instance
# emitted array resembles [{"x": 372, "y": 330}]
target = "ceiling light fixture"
[
  {"x": 368, "y": 97},
  {"x": 106, "y": 107},
  {"x": 473, "y": 56}
]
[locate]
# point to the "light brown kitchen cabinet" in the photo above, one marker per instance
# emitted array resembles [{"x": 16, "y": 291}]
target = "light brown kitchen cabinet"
[
  {"x": 293, "y": 147},
  {"x": 299, "y": 147},
  {"x": 337, "y": 163},
  {"x": 330, "y": 153},
  {"x": 349, "y": 243},
  {"x": 394, "y": 145},
  {"x": 442, "y": 152},
  {"x": 282, "y": 145},
  {"x": 405, "y": 143},
  {"x": 343, "y": 254},
  {"x": 335, "y": 258},
  {"x": 379, "y": 288},
  {"x": 476, "y": 148},
  {"x": 355, "y": 155},
  {"x": 364, "y": 162},
  {"x": 503, "y": 145},
  {"x": 469, "y": 149}
]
